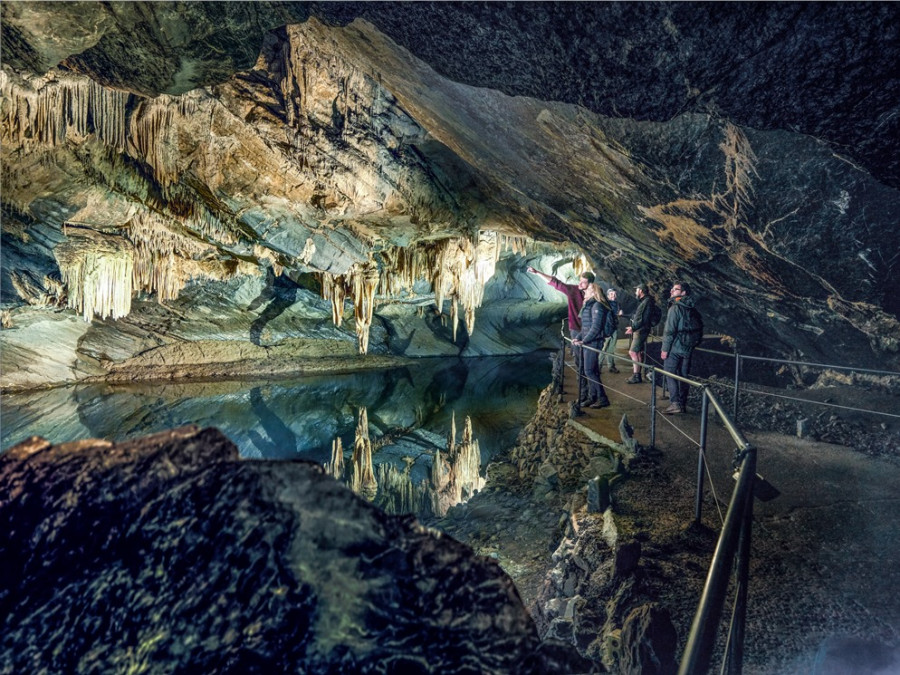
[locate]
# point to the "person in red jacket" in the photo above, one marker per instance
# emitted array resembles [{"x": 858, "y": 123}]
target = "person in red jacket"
[{"x": 574, "y": 293}]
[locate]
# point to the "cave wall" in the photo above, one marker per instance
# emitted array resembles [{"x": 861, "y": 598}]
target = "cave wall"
[{"x": 335, "y": 146}]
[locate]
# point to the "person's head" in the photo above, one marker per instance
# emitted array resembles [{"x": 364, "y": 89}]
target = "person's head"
[
  {"x": 586, "y": 278},
  {"x": 611, "y": 294},
  {"x": 641, "y": 290},
  {"x": 592, "y": 290},
  {"x": 679, "y": 289}
]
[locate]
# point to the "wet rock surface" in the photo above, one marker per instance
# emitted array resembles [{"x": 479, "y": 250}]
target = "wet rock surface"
[{"x": 169, "y": 552}]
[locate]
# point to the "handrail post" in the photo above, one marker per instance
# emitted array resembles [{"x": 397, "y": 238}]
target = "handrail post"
[
  {"x": 652, "y": 408},
  {"x": 737, "y": 382},
  {"x": 701, "y": 460}
]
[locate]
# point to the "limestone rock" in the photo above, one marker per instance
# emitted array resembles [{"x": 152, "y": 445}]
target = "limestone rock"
[{"x": 169, "y": 553}]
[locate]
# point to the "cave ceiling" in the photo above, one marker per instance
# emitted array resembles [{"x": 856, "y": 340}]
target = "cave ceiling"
[{"x": 750, "y": 148}]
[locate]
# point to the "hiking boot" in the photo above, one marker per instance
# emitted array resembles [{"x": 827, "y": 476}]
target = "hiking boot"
[
  {"x": 585, "y": 402},
  {"x": 673, "y": 409},
  {"x": 634, "y": 379},
  {"x": 613, "y": 369},
  {"x": 602, "y": 403}
]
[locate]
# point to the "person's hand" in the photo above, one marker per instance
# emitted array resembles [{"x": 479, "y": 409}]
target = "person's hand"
[
  {"x": 531, "y": 270},
  {"x": 628, "y": 330},
  {"x": 664, "y": 355},
  {"x": 577, "y": 342}
]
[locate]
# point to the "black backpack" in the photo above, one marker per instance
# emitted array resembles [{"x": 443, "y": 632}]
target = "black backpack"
[
  {"x": 612, "y": 324},
  {"x": 693, "y": 329},
  {"x": 655, "y": 313}
]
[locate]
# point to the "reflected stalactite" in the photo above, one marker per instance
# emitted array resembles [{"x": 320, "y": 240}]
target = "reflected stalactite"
[
  {"x": 362, "y": 480},
  {"x": 335, "y": 467},
  {"x": 453, "y": 477},
  {"x": 456, "y": 478}
]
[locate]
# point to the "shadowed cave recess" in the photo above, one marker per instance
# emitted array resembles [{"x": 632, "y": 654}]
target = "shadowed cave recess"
[{"x": 232, "y": 190}]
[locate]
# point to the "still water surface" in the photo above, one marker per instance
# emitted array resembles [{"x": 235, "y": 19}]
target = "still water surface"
[{"x": 298, "y": 418}]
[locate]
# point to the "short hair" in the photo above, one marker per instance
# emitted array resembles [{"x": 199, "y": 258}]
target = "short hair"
[
  {"x": 643, "y": 287},
  {"x": 685, "y": 287},
  {"x": 589, "y": 276}
]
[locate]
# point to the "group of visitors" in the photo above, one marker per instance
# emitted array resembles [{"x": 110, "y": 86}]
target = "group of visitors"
[{"x": 593, "y": 322}]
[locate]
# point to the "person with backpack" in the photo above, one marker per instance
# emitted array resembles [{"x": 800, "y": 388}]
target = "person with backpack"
[
  {"x": 611, "y": 332},
  {"x": 593, "y": 323},
  {"x": 646, "y": 316},
  {"x": 575, "y": 296},
  {"x": 683, "y": 332}
]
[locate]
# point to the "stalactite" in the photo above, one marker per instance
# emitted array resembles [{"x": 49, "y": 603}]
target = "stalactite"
[
  {"x": 363, "y": 477},
  {"x": 47, "y": 112},
  {"x": 97, "y": 271},
  {"x": 335, "y": 290},
  {"x": 160, "y": 254},
  {"x": 364, "y": 282},
  {"x": 360, "y": 284},
  {"x": 580, "y": 264}
]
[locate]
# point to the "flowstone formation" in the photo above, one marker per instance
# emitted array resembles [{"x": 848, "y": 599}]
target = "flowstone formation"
[
  {"x": 352, "y": 140},
  {"x": 174, "y": 554}
]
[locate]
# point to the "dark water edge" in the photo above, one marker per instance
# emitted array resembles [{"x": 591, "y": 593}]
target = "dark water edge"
[{"x": 297, "y": 418}]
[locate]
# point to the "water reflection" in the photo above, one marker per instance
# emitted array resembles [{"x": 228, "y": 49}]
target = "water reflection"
[
  {"x": 445, "y": 478},
  {"x": 409, "y": 409}
]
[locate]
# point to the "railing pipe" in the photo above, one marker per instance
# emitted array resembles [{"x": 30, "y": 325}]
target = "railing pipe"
[
  {"x": 701, "y": 641},
  {"x": 729, "y": 425},
  {"x": 701, "y": 459},
  {"x": 737, "y": 383},
  {"x": 734, "y": 654}
]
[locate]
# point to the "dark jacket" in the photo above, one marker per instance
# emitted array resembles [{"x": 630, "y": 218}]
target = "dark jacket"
[
  {"x": 640, "y": 320},
  {"x": 675, "y": 335},
  {"x": 593, "y": 322}
]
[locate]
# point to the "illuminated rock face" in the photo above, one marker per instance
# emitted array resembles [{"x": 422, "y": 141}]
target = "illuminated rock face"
[
  {"x": 335, "y": 155},
  {"x": 175, "y": 553}
]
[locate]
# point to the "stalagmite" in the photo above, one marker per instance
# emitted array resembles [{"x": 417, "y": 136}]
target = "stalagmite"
[{"x": 362, "y": 479}]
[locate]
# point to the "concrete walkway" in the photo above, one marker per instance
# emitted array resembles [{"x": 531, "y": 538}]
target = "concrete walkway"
[{"x": 825, "y": 569}]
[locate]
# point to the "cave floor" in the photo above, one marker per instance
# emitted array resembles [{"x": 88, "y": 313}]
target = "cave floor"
[{"x": 825, "y": 556}]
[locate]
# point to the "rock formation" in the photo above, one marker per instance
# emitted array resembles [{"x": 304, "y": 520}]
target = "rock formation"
[
  {"x": 200, "y": 153},
  {"x": 170, "y": 552}
]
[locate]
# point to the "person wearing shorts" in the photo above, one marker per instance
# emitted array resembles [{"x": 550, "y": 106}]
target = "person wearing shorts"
[{"x": 639, "y": 330}]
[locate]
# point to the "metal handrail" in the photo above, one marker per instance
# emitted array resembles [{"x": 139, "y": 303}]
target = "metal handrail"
[{"x": 734, "y": 539}]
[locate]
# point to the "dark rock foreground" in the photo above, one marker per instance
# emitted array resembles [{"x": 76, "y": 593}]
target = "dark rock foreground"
[{"x": 171, "y": 554}]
